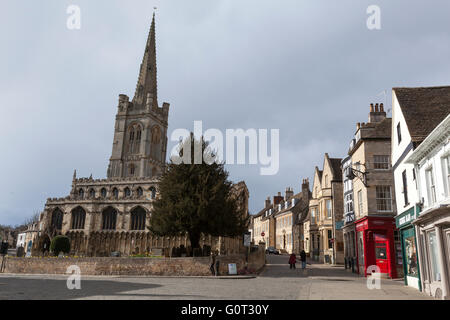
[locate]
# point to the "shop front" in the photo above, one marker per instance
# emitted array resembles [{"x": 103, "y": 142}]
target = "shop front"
[
  {"x": 350, "y": 247},
  {"x": 376, "y": 246},
  {"x": 410, "y": 254},
  {"x": 433, "y": 231}
]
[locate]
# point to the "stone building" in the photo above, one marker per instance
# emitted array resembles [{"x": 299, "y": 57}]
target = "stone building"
[
  {"x": 325, "y": 209},
  {"x": 280, "y": 223},
  {"x": 101, "y": 216},
  {"x": 372, "y": 234}
]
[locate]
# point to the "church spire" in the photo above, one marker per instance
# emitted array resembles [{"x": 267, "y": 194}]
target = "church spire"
[{"x": 147, "y": 82}]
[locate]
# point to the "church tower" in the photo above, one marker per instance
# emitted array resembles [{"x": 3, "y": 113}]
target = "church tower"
[{"x": 140, "y": 132}]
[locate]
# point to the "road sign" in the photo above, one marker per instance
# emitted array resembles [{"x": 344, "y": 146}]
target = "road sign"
[{"x": 262, "y": 234}]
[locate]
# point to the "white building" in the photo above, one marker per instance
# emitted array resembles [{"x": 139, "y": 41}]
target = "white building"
[
  {"x": 432, "y": 165},
  {"x": 416, "y": 112}
]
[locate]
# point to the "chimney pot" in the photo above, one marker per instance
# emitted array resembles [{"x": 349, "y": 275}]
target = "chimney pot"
[
  {"x": 371, "y": 107},
  {"x": 376, "y": 107},
  {"x": 381, "y": 108}
]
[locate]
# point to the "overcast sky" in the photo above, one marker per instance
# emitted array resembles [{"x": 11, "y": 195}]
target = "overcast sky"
[{"x": 309, "y": 68}]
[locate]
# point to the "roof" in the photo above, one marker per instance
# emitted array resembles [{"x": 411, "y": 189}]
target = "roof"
[
  {"x": 423, "y": 108},
  {"x": 336, "y": 167}
]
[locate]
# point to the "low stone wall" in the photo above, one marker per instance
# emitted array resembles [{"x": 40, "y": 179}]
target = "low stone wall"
[
  {"x": 111, "y": 266},
  {"x": 198, "y": 266}
]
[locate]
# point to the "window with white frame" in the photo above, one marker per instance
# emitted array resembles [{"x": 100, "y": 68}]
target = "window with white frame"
[
  {"x": 384, "y": 198},
  {"x": 381, "y": 162},
  {"x": 431, "y": 187},
  {"x": 329, "y": 208},
  {"x": 446, "y": 174},
  {"x": 360, "y": 203}
]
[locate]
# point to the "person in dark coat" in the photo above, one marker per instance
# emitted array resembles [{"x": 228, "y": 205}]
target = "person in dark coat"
[
  {"x": 292, "y": 261},
  {"x": 303, "y": 259}
]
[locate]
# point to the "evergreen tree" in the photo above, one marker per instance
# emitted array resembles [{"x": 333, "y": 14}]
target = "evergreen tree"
[{"x": 195, "y": 198}]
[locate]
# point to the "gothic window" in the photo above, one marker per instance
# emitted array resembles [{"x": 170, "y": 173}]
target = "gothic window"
[
  {"x": 57, "y": 218},
  {"x": 139, "y": 192},
  {"x": 109, "y": 218},
  {"x": 131, "y": 170},
  {"x": 78, "y": 218},
  {"x": 127, "y": 192},
  {"x": 116, "y": 193},
  {"x": 81, "y": 193},
  {"x": 156, "y": 143},
  {"x": 138, "y": 216},
  {"x": 103, "y": 192},
  {"x": 134, "y": 138},
  {"x": 153, "y": 172},
  {"x": 92, "y": 193},
  {"x": 152, "y": 192}
]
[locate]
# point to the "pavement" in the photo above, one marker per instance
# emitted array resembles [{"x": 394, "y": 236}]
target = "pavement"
[{"x": 275, "y": 282}]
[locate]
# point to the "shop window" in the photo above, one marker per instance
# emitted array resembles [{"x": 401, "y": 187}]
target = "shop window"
[
  {"x": 411, "y": 256},
  {"x": 380, "y": 251},
  {"x": 434, "y": 258}
]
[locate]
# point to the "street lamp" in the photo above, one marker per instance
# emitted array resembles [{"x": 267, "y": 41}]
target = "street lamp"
[{"x": 354, "y": 173}]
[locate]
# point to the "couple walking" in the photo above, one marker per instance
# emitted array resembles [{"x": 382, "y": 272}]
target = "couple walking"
[{"x": 293, "y": 260}]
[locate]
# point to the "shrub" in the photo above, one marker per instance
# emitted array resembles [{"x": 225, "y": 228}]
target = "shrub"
[{"x": 60, "y": 244}]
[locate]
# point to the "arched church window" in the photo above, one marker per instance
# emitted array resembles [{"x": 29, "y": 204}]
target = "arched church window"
[
  {"x": 116, "y": 193},
  {"x": 134, "y": 140},
  {"x": 138, "y": 140},
  {"x": 131, "y": 169},
  {"x": 139, "y": 192},
  {"x": 81, "y": 193},
  {"x": 109, "y": 218},
  {"x": 78, "y": 218},
  {"x": 57, "y": 219},
  {"x": 103, "y": 192},
  {"x": 138, "y": 216},
  {"x": 152, "y": 192},
  {"x": 92, "y": 193},
  {"x": 127, "y": 192}
]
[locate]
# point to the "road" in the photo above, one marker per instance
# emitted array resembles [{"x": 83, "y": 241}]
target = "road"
[{"x": 277, "y": 281}]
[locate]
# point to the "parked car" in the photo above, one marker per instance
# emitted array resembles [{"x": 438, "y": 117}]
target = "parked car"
[{"x": 272, "y": 250}]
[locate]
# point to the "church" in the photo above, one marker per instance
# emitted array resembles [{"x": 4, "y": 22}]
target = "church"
[{"x": 101, "y": 216}]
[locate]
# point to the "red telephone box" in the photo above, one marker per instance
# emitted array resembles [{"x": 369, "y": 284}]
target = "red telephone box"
[{"x": 378, "y": 245}]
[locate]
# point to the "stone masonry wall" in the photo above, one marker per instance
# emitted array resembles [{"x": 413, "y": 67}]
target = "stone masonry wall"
[{"x": 131, "y": 266}]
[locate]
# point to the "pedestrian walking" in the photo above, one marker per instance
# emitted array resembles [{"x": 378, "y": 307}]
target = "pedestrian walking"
[
  {"x": 212, "y": 261},
  {"x": 303, "y": 259},
  {"x": 292, "y": 261}
]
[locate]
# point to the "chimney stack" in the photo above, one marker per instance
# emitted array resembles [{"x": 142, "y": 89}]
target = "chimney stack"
[
  {"x": 277, "y": 199},
  {"x": 267, "y": 203},
  {"x": 376, "y": 114},
  {"x": 289, "y": 193}
]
